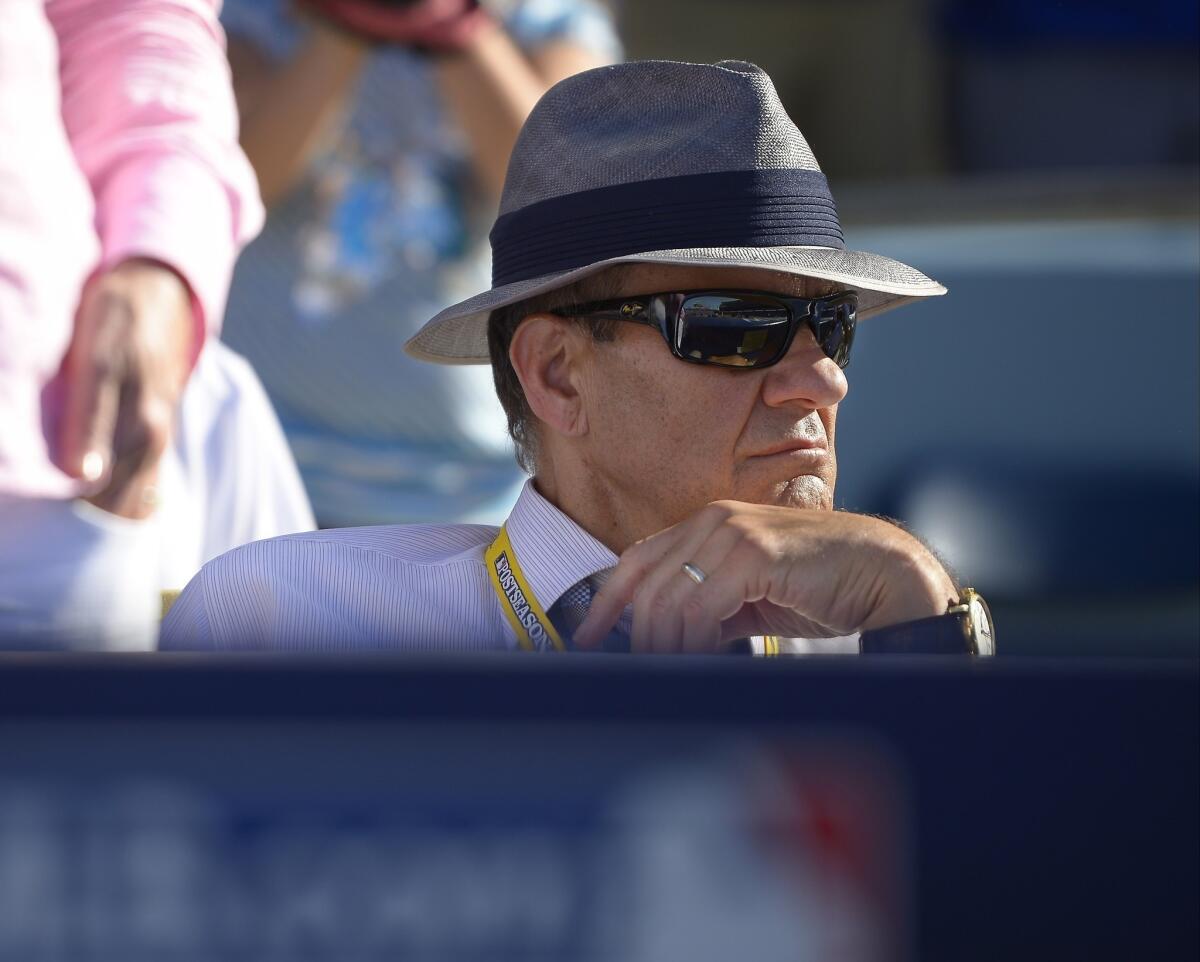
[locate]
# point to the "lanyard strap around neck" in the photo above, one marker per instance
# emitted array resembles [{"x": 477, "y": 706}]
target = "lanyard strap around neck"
[{"x": 531, "y": 624}]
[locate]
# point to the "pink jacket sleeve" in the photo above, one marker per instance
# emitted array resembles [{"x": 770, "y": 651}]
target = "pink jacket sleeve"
[{"x": 147, "y": 102}]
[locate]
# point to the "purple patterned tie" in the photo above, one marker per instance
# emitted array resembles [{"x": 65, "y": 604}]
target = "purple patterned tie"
[{"x": 568, "y": 612}]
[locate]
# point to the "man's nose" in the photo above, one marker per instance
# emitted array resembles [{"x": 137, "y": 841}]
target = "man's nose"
[{"x": 806, "y": 375}]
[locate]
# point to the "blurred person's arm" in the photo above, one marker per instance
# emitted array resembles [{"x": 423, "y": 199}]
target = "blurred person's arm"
[
  {"x": 149, "y": 111},
  {"x": 490, "y": 86},
  {"x": 289, "y": 107}
]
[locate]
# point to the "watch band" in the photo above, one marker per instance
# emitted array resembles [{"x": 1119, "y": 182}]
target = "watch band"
[
  {"x": 939, "y": 635},
  {"x": 966, "y": 629}
]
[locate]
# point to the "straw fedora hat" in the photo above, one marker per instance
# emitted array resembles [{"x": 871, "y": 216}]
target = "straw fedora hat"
[{"x": 657, "y": 162}]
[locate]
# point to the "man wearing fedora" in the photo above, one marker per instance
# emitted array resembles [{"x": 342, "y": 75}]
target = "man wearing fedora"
[{"x": 671, "y": 314}]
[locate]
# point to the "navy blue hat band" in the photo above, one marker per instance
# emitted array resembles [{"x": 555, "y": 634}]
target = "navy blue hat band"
[{"x": 740, "y": 208}]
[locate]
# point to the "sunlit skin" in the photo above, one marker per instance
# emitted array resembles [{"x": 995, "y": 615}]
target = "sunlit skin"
[{"x": 636, "y": 440}]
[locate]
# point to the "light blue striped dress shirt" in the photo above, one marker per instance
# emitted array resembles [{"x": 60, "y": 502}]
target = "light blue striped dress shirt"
[{"x": 418, "y": 587}]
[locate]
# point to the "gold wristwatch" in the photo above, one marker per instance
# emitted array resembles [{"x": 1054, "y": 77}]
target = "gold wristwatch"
[{"x": 965, "y": 629}]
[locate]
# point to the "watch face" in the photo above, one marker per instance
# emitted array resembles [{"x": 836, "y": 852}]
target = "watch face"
[{"x": 981, "y": 626}]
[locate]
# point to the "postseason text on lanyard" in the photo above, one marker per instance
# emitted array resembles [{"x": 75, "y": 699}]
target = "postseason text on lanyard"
[{"x": 529, "y": 621}]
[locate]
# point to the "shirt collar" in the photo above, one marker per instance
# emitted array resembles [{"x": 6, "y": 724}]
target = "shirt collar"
[{"x": 553, "y": 551}]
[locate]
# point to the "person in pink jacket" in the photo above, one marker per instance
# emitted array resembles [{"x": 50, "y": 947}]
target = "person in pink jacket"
[{"x": 124, "y": 200}]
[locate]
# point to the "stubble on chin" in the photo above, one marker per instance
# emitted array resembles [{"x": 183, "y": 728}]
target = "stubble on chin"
[{"x": 806, "y": 491}]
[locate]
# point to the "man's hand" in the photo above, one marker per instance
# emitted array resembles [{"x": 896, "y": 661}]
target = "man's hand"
[
  {"x": 769, "y": 570},
  {"x": 125, "y": 370}
]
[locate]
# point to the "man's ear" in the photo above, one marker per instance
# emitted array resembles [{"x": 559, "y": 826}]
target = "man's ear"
[{"x": 546, "y": 351}]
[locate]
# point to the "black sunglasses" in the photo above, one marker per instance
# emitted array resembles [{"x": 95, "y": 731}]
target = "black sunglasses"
[{"x": 748, "y": 329}]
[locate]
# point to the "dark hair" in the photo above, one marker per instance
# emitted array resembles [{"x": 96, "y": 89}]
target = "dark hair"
[{"x": 503, "y": 323}]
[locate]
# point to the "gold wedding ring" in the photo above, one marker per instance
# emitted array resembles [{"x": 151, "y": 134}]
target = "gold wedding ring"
[{"x": 694, "y": 573}]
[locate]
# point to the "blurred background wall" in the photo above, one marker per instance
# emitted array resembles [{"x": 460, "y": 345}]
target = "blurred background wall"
[{"x": 1040, "y": 424}]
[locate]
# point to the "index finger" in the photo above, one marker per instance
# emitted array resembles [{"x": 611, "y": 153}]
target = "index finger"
[
  {"x": 619, "y": 589},
  {"x": 89, "y": 419}
]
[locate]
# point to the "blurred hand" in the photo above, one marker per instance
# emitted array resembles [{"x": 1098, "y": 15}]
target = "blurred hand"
[
  {"x": 125, "y": 370},
  {"x": 441, "y": 25},
  {"x": 792, "y": 572}
]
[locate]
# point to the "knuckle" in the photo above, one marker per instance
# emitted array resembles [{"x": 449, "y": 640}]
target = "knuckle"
[
  {"x": 148, "y": 432},
  {"x": 720, "y": 511},
  {"x": 761, "y": 550},
  {"x": 694, "y": 609},
  {"x": 660, "y": 603},
  {"x": 754, "y": 547},
  {"x": 636, "y": 556},
  {"x": 156, "y": 420}
]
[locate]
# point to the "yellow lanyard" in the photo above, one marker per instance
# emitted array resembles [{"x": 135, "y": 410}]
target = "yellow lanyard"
[
  {"x": 533, "y": 628},
  {"x": 529, "y": 621}
]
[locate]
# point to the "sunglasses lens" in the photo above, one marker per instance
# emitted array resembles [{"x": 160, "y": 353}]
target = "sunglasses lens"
[
  {"x": 734, "y": 331},
  {"x": 833, "y": 326}
]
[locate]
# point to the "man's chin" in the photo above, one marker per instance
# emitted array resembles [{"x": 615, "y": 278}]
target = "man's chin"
[{"x": 806, "y": 491}]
